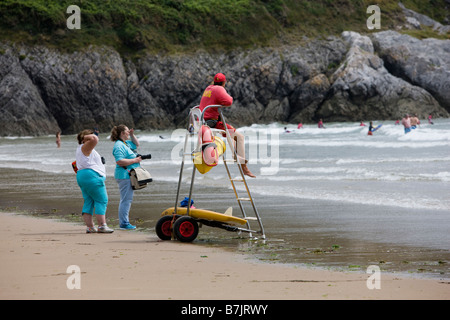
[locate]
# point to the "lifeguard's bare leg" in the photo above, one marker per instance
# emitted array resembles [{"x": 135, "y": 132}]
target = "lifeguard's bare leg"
[{"x": 240, "y": 150}]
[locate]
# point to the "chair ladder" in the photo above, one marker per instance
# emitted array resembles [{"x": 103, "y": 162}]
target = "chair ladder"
[{"x": 242, "y": 179}]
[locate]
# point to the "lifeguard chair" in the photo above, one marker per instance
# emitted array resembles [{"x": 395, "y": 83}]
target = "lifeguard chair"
[{"x": 182, "y": 223}]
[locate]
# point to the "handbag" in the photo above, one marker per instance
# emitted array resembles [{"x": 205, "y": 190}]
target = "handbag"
[{"x": 139, "y": 178}]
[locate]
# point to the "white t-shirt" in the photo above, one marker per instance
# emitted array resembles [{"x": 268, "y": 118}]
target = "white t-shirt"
[{"x": 94, "y": 161}]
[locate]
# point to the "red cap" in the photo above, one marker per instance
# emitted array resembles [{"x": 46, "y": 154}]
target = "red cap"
[{"x": 220, "y": 77}]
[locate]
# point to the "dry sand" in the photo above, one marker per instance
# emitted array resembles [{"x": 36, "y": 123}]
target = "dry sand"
[{"x": 36, "y": 252}]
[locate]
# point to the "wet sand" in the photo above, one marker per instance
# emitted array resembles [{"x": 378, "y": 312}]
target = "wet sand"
[
  {"x": 36, "y": 254},
  {"x": 336, "y": 239}
]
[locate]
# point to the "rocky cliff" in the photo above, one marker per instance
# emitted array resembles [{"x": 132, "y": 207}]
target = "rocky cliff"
[{"x": 347, "y": 78}]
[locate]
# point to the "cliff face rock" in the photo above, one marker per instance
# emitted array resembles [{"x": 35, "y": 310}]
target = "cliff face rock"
[
  {"x": 424, "y": 63},
  {"x": 81, "y": 89},
  {"x": 362, "y": 88},
  {"x": 22, "y": 111},
  {"x": 146, "y": 111},
  {"x": 261, "y": 81},
  {"x": 343, "y": 78}
]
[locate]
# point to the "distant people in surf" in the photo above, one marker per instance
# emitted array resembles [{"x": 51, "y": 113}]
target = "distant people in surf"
[
  {"x": 58, "y": 139},
  {"x": 411, "y": 122},
  {"x": 414, "y": 121},
  {"x": 320, "y": 124},
  {"x": 372, "y": 129},
  {"x": 406, "y": 122}
]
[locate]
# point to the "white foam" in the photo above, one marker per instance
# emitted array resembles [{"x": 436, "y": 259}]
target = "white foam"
[
  {"x": 362, "y": 197},
  {"x": 313, "y": 163}
]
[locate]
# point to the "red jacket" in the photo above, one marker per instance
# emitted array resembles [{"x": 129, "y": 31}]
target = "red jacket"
[{"x": 214, "y": 95}]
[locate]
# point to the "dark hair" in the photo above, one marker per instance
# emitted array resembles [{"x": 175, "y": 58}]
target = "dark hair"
[
  {"x": 82, "y": 134},
  {"x": 117, "y": 131},
  {"x": 219, "y": 83}
]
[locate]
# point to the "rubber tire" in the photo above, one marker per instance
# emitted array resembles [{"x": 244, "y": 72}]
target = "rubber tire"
[
  {"x": 185, "y": 229},
  {"x": 162, "y": 228}
]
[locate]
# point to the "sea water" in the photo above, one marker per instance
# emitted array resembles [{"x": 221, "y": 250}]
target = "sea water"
[{"x": 338, "y": 183}]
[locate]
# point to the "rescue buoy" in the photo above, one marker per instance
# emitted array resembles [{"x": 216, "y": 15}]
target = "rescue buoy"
[{"x": 211, "y": 149}]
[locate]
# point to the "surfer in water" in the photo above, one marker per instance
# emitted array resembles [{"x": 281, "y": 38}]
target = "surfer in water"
[{"x": 371, "y": 129}]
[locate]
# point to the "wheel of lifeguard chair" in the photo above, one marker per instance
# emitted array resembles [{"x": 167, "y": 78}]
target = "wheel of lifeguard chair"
[
  {"x": 162, "y": 228},
  {"x": 185, "y": 229}
]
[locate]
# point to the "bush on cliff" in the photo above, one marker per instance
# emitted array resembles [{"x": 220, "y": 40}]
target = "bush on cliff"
[{"x": 211, "y": 24}]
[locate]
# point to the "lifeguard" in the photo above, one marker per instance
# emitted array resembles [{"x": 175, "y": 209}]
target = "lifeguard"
[{"x": 216, "y": 94}]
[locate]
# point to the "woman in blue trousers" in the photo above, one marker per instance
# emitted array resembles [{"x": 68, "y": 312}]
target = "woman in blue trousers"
[{"x": 126, "y": 159}]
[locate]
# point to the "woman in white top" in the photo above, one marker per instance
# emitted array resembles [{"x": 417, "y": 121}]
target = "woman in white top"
[{"x": 91, "y": 177}]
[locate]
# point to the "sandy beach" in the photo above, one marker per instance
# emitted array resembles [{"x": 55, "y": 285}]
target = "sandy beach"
[{"x": 36, "y": 253}]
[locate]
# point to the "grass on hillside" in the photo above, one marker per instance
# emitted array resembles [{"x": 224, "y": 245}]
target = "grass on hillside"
[{"x": 169, "y": 25}]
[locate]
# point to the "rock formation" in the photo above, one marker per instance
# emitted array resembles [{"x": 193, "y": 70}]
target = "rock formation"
[
  {"x": 345, "y": 78},
  {"x": 22, "y": 110},
  {"x": 424, "y": 63},
  {"x": 362, "y": 88}
]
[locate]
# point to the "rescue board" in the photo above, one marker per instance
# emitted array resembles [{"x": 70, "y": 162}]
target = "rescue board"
[
  {"x": 205, "y": 214},
  {"x": 378, "y": 127},
  {"x": 370, "y": 133}
]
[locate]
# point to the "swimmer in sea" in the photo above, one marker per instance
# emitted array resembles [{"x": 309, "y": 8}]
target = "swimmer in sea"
[
  {"x": 414, "y": 121},
  {"x": 406, "y": 122},
  {"x": 371, "y": 129}
]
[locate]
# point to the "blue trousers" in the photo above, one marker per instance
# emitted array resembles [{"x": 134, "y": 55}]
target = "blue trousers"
[
  {"x": 126, "y": 198},
  {"x": 93, "y": 188}
]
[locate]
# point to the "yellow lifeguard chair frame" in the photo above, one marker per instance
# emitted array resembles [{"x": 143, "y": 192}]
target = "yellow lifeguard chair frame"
[{"x": 182, "y": 223}]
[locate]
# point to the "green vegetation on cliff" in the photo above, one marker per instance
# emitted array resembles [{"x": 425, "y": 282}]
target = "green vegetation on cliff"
[{"x": 133, "y": 25}]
